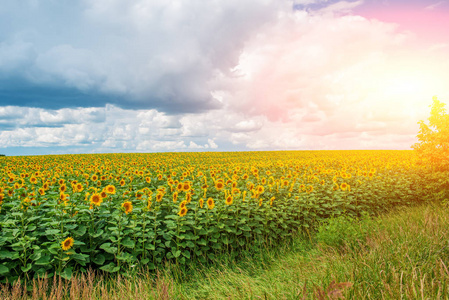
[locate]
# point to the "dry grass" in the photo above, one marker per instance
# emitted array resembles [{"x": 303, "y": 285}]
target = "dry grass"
[{"x": 91, "y": 286}]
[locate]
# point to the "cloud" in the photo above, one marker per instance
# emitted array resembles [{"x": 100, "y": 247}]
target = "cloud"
[
  {"x": 153, "y": 76},
  {"x": 134, "y": 54}
]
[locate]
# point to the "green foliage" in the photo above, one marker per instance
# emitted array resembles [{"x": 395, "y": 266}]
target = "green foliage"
[
  {"x": 433, "y": 146},
  {"x": 344, "y": 230}
]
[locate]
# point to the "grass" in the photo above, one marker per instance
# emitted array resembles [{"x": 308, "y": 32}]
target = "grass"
[{"x": 400, "y": 255}]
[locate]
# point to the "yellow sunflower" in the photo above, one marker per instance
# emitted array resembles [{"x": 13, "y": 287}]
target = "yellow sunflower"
[
  {"x": 67, "y": 243},
  {"x": 186, "y": 186},
  {"x": 96, "y": 199},
  {"x": 210, "y": 203},
  {"x": 175, "y": 197},
  {"x": 219, "y": 185},
  {"x": 110, "y": 189},
  {"x": 310, "y": 189},
  {"x": 63, "y": 188},
  {"x": 182, "y": 212},
  {"x": 183, "y": 204},
  {"x": 128, "y": 206},
  {"x": 79, "y": 187}
]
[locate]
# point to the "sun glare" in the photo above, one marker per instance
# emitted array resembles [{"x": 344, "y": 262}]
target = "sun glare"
[{"x": 406, "y": 85}]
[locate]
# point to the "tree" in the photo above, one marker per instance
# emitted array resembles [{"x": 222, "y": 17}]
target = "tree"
[{"x": 433, "y": 146}]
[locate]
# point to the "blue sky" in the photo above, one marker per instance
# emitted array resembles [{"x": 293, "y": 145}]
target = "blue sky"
[{"x": 150, "y": 75}]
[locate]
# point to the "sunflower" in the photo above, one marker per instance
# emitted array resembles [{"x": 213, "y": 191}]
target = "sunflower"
[
  {"x": 229, "y": 200},
  {"x": 219, "y": 185},
  {"x": 33, "y": 180},
  {"x": 182, "y": 212},
  {"x": 122, "y": 182},
  {"x": 128, "y": 206},
  {"x": 79, "y": 187},
  {"x": 344, "y": 186},
  {"x": 310, "y": 189},
  {"x": 201, "y": 202},
  {"x": 260, "y": 189},
  {"x": 139, "y": 194},
  {"x": 41, "y": 191},
  {"x": 188, "y": 197},
  {"x": 148, "y": 179},
  {"x": 67, "y": 243},
  {"x": 183, "y": 204},
  {"x": 94, "y": 178},
  {"x": 110, "y": 189},
  {"x": 63, "y": 196},
  {"x": 271, "y": 200},
  {"x": 63, "y": 188},
  {"x": 210, "y": 203},
  {"x": 175, "y": 197},
  {"x": 96, "y": 199},
  {"x": 186, "y": 186},
  {"x": 103, "y": 194},
  {"x": 159, "y": 196}
]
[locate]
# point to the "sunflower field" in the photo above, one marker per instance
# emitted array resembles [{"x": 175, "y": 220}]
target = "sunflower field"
[{"x": 65, "y": 213}]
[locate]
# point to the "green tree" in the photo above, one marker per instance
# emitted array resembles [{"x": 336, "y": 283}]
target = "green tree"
[{"x": 433, "y": 145}]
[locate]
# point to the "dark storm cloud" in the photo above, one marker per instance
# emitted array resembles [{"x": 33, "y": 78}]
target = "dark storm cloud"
[{"x": 133, "y": 54}]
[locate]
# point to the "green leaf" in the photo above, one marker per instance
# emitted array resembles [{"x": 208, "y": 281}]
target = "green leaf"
[
  {"x": 99, "y": 259},
  {"x": 144, "y": 261},
  {"x": 43, "y": 261},
  {"x": 5, "y": 254},
  {"x": 202, "y": 242},
  {"x": 67, "y": 273},
  {"x": 26, "y": 269},
  {"x": 111, "y": 268},
  {"x": 186, "y": 253},
  {"x": 80, "y": 231},
  {"x": 176, "y": 253},
  {"x": 3, "y": 269},
  {"x": 127, "y": 242},
  {"x": 52, "y": 231}
]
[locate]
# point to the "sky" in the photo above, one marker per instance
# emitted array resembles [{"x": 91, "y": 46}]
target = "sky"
[{"x": 103, "y": 76}]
